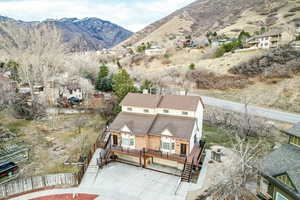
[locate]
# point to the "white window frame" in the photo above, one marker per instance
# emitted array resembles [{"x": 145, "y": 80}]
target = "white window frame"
[
  {"x": 171, "y": 142},
  {"x": 185, "y": 113},
  {"x": 130, "y": 139},
  {"x": 278, "y": 195}
]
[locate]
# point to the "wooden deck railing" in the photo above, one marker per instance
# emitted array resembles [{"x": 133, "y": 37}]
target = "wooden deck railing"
[{"x": 167, "y": 156}]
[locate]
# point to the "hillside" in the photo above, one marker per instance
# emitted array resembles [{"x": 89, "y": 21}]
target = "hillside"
[
  {"x": 78, "y": 35},
  {"x": 228, "y": 17},
  {"x": 224, "y": 17}
]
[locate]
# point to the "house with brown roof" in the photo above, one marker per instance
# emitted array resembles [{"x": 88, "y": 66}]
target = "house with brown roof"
[{"x": 159, "y": 129}]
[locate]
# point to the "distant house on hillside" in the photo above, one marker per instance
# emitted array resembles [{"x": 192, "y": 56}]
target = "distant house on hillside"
[
  {"x": 271, "y": 39},
  {"x": 155, "y": 51},
  {"x": 280, "y": 176}
]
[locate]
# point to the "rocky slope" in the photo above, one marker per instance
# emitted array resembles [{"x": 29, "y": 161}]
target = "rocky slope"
[{"x": 78, "y": 35}]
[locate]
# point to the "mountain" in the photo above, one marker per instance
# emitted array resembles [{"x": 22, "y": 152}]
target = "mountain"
[
  {"x": 77, "y": 34},
  {"x": 202, "y": 16}
]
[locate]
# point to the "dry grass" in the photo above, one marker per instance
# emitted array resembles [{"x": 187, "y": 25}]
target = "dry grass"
[{"x": 50, "y": 148}]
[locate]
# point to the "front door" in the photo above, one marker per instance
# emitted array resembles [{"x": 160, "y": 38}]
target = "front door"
[
  {"x": 115, "y": 140},
  {"x": 183, "y": 149}
]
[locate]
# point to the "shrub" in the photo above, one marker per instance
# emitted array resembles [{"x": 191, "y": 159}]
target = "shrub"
[
  {"x": 192, "y": 66},
  {"x": 208, "y": 80}
]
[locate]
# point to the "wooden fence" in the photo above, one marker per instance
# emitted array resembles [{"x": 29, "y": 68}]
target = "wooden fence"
[{"x": 23, "y": 185}]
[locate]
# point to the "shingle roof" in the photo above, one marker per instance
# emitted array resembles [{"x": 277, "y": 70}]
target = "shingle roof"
[
  {"x": 141, "y": 125},
  {"x": 286, "y": 159},
  {"x": 141, "y": 100},
  {"x": 294, "y": 175},
  {"x": 179, "y": 127},
  {"x": 271, "y": 32},
  {"x": 295, "y": 130},
  {"x": 176, "y": 102}
]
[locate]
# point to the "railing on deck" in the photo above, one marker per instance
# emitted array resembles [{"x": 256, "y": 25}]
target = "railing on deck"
[
  {"x": 168, "y": 156},
  {"x": 125, "y": 150}
]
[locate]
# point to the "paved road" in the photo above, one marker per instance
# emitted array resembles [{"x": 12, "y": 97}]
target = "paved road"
[{"x": 253, "y": 110}]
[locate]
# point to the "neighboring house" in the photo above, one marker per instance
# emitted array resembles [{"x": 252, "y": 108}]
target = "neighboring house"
[
  {"x": 71, "y": 90},
  {"x": 158, "y": 129},
  {"x": 280, "y": 177},
  {"x": 271, "y": 39},
  {"x": 155, "y": 51}
]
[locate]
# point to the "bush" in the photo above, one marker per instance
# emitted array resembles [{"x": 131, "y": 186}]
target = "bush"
[
  {"x": 209, "y": 80},
  {"x": 192, "y": 66},
  {"x": 229, "y": 47},
  {"x": 278, "y": 63}
]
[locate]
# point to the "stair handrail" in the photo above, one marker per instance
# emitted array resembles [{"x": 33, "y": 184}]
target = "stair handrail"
[
  {"x": 184, "y": 166},
  {"x": 190, "y": 175}
]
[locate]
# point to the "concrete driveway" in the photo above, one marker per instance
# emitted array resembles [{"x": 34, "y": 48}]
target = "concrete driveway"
[{"x": 119, "y": 181}]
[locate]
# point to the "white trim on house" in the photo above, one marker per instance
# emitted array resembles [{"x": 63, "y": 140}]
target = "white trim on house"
[
  {"x": 128, "y": 141},
  {"x": 126, "y": 129},
  {"x": 280, "y": 196},
  {"x": 167, "y": 145},
  {"x": 166, "y": 132}
]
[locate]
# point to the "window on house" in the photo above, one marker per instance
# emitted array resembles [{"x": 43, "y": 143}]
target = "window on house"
[
  {"x": 128, "y": 141},
  {"x": 185, "y": 113},
  {"x": 166, "y": 111},
  {"x": 131, "y": 142},
  {"x": 146, "y": 111},
  {"x": 129, "y": 109},
  {"x": 168, "y": 146}
]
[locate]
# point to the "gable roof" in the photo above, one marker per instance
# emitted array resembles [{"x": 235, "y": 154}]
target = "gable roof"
[
  {"x": 141, "y": 125},
  {"x": 179, "y": 102},
  {"x": 179, "y": 127},
  {"x": 294, "y": 175},
  {"x": 141, "y": 100},
  {"x": 294, "y": 131},
  {"x": 176, "y": 102},
  {"x": 286, "y": 159}
]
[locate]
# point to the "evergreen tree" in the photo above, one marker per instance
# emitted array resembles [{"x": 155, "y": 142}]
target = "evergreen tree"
[
  {"x": 122, "y": 84},
  {"x": 103, "y": 73},
  {"x": 146, "y": 85}
]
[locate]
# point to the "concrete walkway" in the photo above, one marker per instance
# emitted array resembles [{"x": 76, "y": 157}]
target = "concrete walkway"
[{"x": 117, "y": 181}]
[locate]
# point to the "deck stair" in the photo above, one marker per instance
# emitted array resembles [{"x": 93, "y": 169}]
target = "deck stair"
[{"x": 186, "y": 174}]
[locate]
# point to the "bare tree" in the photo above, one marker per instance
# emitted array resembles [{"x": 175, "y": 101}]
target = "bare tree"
[
  {"x": 39, "y": 52},
  {"x": 244, "y": 168}
]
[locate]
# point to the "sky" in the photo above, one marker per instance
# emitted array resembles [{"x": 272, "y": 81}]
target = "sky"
[{"x": 131, "y": 14}]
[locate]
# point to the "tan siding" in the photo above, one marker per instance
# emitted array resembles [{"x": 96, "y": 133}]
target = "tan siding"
[
  {"x": 154, "y": 142},
  {"x": 177, "y": 146},
  {"x": 140, "y": 142}
]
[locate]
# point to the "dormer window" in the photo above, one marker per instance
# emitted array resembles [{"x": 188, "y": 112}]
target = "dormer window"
[
  {"x": 166, "y": 111},
  {"x": 129, "y": 109},
  {"x": 185, "y": 113},
  {"x": 146, "y": 111}
]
